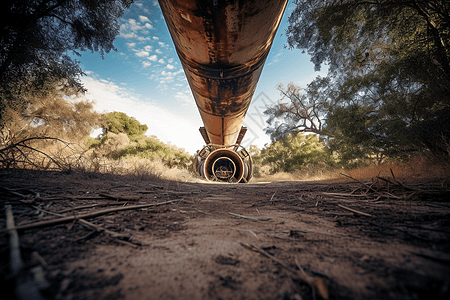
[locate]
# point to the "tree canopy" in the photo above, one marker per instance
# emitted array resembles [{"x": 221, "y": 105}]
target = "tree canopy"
[
  {"x": 37, "y": 38},
  {"x": 119, "y": 122},
  {"x": 293, "y": 152},
  {"x": 388, "y": 73},
  {"x": 298, "y": 110}
]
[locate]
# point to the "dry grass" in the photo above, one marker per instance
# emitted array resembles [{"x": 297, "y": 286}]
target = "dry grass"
[
  {"x": 303, "y": 175},
  {"x": 74, "y": 157},
  {"x": 417, "y": 169}
]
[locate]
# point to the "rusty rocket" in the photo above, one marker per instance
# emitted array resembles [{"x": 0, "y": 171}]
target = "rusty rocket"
[{"x": 222, "y": 46}]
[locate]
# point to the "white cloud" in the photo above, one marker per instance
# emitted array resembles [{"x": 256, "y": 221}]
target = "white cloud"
[
  {"x": 143, "y": 19},
  {"x": 161, "y": 61},
  {"x": 142, "y": 53},
  {"x": 168, "y": 76},
  {"x": 158, "y": 51},
  {"x": 142, "y": 38},
  {"x": 146, "y": 64},
  {"x": 178, "y": 72},
  {"x": 156, "y": 38},
  {"x": 163, "y": 123},
  {"x": 131, "y": 45},
  {"x": 153, "y": 57},
  {"x": 185, "y": 97},
  {"x": 161, "y": 44},
  {"x": 130, "y": 35},
  {"x": 148, "y": 48},
  {"x": 170, "y": 67},
  {"x": 141, "y": 6},
  {"x": 170, "y": 60},
  {"x": 133, "y": 25},
  {"x": 130, "y": 29}
]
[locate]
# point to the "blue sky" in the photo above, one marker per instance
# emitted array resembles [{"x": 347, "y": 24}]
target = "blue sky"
[{"x": 144, "y": 79}]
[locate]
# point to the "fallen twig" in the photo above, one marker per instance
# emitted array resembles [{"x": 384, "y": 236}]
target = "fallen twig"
[
  {"x": 317, "y": 283},
  {"x": 254, "y": 234},
  {"x": 88, "y": 206},
  {"x": 248, "y": 230},
  {"x": 86, "y": 216},
  {"x": 25, "y": 288},
  {"x": 97, "y": 228},
  {"x": 12, "y": 192},
  {"x": 359, "y": 182},
  {"x": 355, "y": 211},
  {"x": 345, "y": 194},
  {"x": 271, "y": 198},
  {"x": 121, "y": 198},
  {"x": 201, "y": 211},
  {"x": 15, "y": 262},
  {"x": 25, "y": 200},
  {"x": 250, "y": 218}
]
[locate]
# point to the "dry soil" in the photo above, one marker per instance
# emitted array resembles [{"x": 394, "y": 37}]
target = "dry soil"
[{"x": 224, "y": 241}]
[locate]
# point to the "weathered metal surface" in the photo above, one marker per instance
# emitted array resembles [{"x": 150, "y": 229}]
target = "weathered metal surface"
[{"x": 222, "y": 45}]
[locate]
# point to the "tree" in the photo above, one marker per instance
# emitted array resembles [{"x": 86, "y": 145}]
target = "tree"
[
  {"x": 31, "y": 135},
  {"x": 119, "y": 122},
  {"x": 389, "y": 70},
  {"x": 123, "y": 138},
  {"x": 332, "y": 31},
  {"x": 54, "y": 116},
  {"x": 294, "y": 152},
  {"x": 37, "y": 37},
  {"x": 303, "y": 112}
]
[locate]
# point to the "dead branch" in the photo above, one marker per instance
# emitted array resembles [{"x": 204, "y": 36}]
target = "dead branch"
[
  {"x": 33, "y": 138},
  {"x": 73, "y": 198},
  {"x": 86, "y": 216},
  {"x": 87, "y": 206},
  {"x": 355, "y": 211},
  {"x": 359, "y": 182},
  {"x": 271, "y": 198},
  {"x": 25, "y": 288},
  {"x": 15, "y": 262},
  {"x": 201, "y": 211},
  {"x": 22, "y": 145},
  {"x": 97, "y": 228},
  {"x": 12, "y": 192},
  {"x": 344, "y": 195},
  {"x": 250, "y": 218},
  {"x": 121, "y": 198}
]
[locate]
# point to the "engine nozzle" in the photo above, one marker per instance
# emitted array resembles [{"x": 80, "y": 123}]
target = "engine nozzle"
[{"x": 224, "y": 164}]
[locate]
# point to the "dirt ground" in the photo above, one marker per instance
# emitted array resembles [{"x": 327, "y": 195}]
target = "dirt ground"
[{"x": 279, "y": 240}]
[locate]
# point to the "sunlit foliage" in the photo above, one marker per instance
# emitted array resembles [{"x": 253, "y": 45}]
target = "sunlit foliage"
[
  {"x": 294, "y": 152},
  {"x": 37, "y": 37},
  {"x": 388, "y": 79}
]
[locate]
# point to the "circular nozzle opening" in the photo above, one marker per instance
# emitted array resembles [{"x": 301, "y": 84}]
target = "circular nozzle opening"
[
  {"x": 224, "y": 168},
  {"x": 223, "y": 165}
]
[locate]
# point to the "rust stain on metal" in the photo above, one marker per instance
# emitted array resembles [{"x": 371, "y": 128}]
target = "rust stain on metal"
[{"x": 222, "y": 45}]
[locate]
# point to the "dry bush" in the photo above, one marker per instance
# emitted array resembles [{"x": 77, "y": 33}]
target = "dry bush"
[{"x": 53, "y": 154}]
